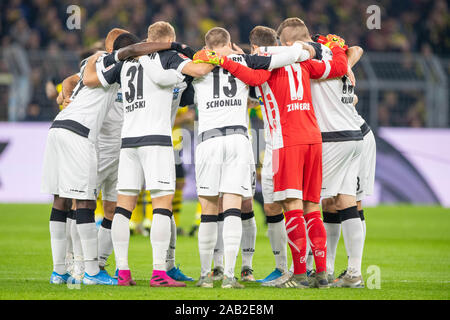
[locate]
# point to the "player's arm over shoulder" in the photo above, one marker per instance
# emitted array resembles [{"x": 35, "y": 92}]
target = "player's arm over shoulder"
[
  {"x": 90, "y": 78},
  {"x": 180, "y": 62},
  {"x": 337, "y": 67}
]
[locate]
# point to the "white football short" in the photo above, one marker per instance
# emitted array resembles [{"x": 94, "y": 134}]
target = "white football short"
[
  {"x": 224, "y": 165},
  {"x": 340, "y": 167},
  {"x": 107, "y": 177},
  {"x": 70, "y": 166},
  {"x": 366, "y": 174},
  {"x": 267, "y": 175},
  {"x": 149, "y": 167}
]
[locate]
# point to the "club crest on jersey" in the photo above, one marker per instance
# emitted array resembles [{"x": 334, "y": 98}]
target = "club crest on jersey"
[
  {"x": 176, "y": 92},
  {"x": 119, "y": 97}
]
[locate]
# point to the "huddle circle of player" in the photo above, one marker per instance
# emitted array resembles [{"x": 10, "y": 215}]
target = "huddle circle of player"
[{"x": 115, "y": 136}]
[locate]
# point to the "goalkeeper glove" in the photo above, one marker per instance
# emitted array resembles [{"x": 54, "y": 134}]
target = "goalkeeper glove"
[
  {"x": 331, "y": 41},
  {"x": 207, "y": 56}
]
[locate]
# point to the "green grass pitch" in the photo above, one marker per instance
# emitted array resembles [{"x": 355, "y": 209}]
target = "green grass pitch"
[{"x": 410, "y": 245}]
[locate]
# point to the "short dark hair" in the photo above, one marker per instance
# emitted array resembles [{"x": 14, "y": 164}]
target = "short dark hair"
[
  {"x": 263, "y": 36},
  {"x": 125, "y": 39}
]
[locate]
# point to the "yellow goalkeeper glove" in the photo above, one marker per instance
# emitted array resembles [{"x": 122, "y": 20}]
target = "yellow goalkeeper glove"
[
  {"x": 333, "y": 40},
  {"x": 206, "y": 56}
]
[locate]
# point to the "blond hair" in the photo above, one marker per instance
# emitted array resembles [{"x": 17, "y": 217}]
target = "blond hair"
[
  {"x": 293, "y": 29},
  {"x": 217, "y": 37},
  {"x": 160, "y": 31}
]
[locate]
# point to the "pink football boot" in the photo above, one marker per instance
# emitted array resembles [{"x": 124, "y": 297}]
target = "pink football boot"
[{"x": 161, "y": 279}]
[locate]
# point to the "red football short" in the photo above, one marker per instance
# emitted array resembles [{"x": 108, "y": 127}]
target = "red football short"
[{"x": 297, "y": 172}]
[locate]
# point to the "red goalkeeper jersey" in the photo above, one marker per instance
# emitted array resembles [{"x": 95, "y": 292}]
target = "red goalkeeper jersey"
[{"x": 286, "y": 94}]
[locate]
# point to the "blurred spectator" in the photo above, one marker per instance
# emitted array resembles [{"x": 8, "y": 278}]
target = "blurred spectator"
[{"x": 33, "y": 112}]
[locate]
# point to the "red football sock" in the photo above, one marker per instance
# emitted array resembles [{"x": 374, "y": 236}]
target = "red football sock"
[
  {"x": 318, "y": 237},
  {"x": 296, "y": 232}
]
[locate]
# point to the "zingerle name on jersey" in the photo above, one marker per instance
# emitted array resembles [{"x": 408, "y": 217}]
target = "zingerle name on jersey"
[{"x": 298, "y": 106}]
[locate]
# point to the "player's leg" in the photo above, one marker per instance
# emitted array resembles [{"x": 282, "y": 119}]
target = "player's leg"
[
  {"x": 232, "y": 233},
  {"x": 276, "y": 232},
  {"x": 105, "y": 245},
  {"x": 120, "y": 233},
  {"x": 108, "y": 184},
  {"x": 58, "y": 216},
  {"x": 207, "y": 238},
  {"x": 137, "y": 215},
  {"x": 58, "y": 239},
  {"x": 217, "y": 272},
  {"x": 352, "y": 229},
  {"x": 208, "y": 162},
  {"x": 173, "y": 271},
  {"x": 158, "y": 164},
  {"x": 147, "y": 212},
  {"x": 317, "y": 237},
  {"x": 332, "y": 223},
  {"x": 288, "y": 164},
  {"x": 78, "y": 259},
  {"x": 312, "y": 184},
  {"x": 178, "y": 196},
  {"x": 248, "y": 239},
  {"x": 69, "y": 247},
  {"x": 129, "y": 183},
  {"x": 361, "y": 216}
]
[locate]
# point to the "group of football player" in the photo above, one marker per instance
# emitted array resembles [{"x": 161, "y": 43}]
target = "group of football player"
[{"x": 114, "y": 136}]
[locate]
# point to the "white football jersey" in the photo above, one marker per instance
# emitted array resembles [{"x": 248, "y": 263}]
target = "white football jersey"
[
  {"x": 221, "y": 99},
  {"x": 109, "y": 138},
  {"x": 85, "y": 113},
  {"x": 333, "y": 106},
  {"x": 147, "y": 103}
]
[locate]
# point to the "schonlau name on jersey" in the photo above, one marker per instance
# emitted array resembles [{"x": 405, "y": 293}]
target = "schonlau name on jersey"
[{"x": 223, "y": 103}]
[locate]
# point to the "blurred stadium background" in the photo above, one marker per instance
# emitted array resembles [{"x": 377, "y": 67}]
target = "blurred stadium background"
[{"x": 402, "y": 79}]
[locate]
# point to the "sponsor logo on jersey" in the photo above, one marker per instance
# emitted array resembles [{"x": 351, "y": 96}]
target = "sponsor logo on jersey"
[
  {"x": 182, "y": 56},
  {"x": 223, "y": 103},
  {"x": 298, "y": 106},
  {"x": 109, "y": 68}
]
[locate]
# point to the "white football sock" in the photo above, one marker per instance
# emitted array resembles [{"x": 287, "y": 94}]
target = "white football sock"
[
  {"x": 78, "y": 260},
  {"x": 332, "y": 224},
  {"x": 276, "y": 232},
  {"x": 170, "y": 259},
  {"x": 120, "y": 236},
  {"x": 218, "y": 250},
  {"x": 160, "y": 237},
  {"x": 248, "y": 239},
  {"x": 69, "y": 246},
  {"x": 207, "y": 238},
  {"x": 363, "y": 221},
  {"x": 352, "y": 232},
  {"x": 58, "y": 240},
  {"x": 232, "y": 233},
  {"x": 105, "y": 245},
  {"x": 88, "y": 236}
]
